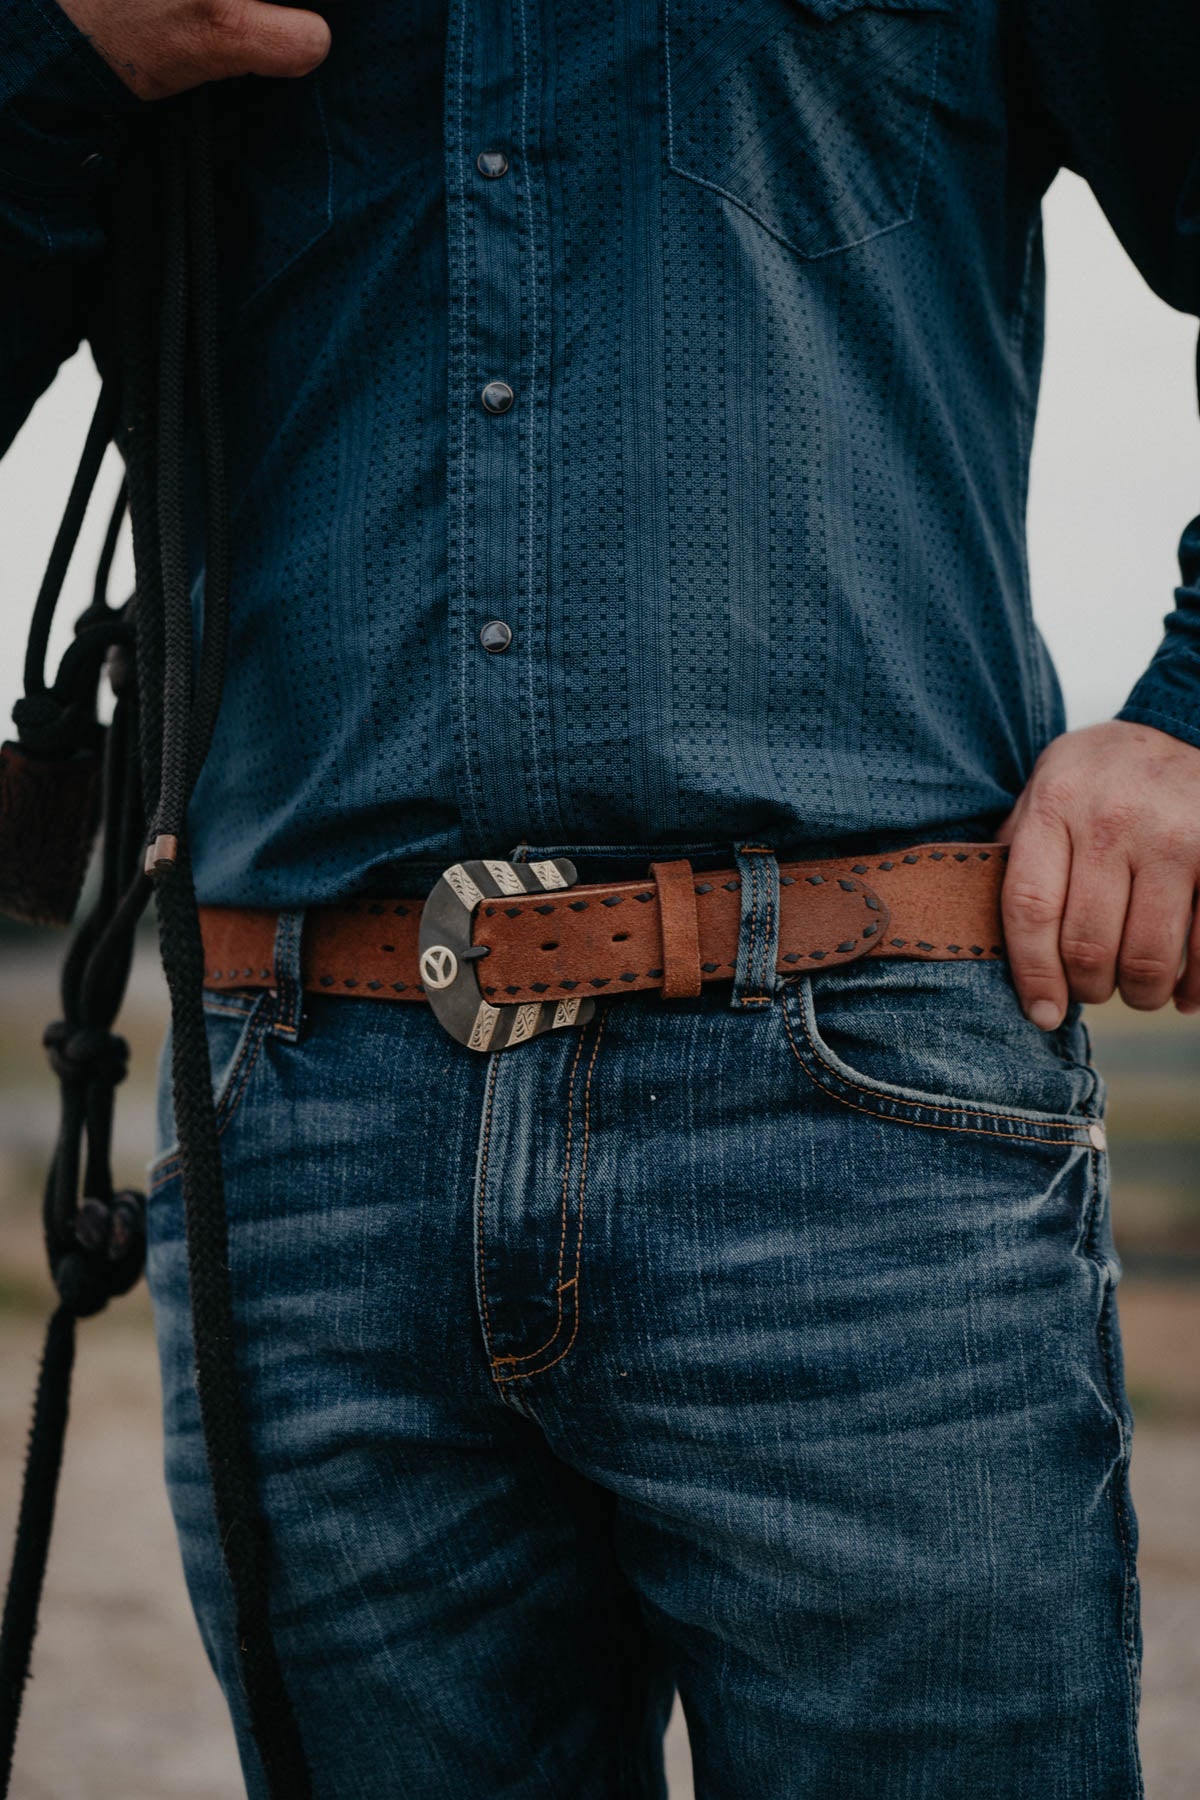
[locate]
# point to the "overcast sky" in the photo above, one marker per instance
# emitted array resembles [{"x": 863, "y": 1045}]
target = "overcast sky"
[{"x": 1116, "y": 471}]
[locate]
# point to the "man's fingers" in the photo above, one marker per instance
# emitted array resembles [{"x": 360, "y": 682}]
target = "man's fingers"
[
  {"x": 1154, "y": 939},
  {"x": 248, "y": 37},
  {"x": 1187, "y": 993},
  {"x": 1031, "y": 901},
  {"x": 1092, "y": 924}
]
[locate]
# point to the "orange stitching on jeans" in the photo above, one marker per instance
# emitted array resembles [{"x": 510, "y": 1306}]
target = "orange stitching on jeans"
[
  {"x": 483, "y": 1164},
  {"x": 1075, "y": 1131},
  {"x": 524, "y": 1374},
  {"x": 529, "y": 1355}
]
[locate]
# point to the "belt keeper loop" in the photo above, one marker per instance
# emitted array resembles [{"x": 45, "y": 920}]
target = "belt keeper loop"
[{"x": 680, "y": 924}]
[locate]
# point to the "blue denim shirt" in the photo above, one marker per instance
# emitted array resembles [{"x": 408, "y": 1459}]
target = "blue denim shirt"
[{"x": 693, "y": 342}]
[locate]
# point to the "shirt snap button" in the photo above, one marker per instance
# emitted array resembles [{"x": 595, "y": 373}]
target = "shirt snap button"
[
  {"x": 495, "y": 636},
  {"x": 497, "y": 397},
  {"x": 492, "y": 164}
]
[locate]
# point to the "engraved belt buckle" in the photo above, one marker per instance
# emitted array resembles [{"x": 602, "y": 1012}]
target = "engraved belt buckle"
[{"x": 448, "y": 957}]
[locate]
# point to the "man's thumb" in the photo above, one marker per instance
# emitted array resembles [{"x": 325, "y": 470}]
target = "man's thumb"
[{"x": 264, "y": 39}]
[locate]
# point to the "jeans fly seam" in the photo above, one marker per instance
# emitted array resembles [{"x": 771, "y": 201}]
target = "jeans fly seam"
[
  {"x": 559, "y": 1284},
  {"x": 489, "y": 1105},
  {"x": 1072, "y": 1134},
  {"x": 524, "y": 1374}
]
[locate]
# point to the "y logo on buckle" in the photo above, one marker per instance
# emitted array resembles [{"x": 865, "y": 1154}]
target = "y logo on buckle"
[{"x": 447, "y": 955}]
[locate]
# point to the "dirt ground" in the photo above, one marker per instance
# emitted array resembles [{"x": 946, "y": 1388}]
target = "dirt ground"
[{"x": 123, "y": 1707}]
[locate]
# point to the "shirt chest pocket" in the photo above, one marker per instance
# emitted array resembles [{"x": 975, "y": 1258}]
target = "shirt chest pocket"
[{"x": 812, "y": 116}]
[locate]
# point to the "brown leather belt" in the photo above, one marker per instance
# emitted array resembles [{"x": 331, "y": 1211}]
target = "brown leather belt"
[{"x": 505, "y": 950}]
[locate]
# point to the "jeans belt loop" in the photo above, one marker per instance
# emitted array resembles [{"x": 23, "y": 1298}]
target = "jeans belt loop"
[
  {"x": 756, "y": 979},
  {"x": 289, "y": 983}
]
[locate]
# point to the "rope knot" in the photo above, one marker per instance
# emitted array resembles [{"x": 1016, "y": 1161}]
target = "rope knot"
[
  {"x": 88, "y": 1053},
  {"x": 108, "y": 1254}
]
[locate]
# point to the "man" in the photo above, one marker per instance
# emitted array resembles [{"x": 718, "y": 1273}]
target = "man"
[{"x": 629, "y": 411}]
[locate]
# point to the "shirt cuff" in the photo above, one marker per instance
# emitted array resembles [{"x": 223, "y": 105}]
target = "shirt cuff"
[
  {"x": 63, "y": 110},
  {"x": 1168, "y": 695}
]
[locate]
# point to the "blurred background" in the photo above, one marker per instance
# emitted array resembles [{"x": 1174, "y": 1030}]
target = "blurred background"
[{"x": 122, "y": 1705}]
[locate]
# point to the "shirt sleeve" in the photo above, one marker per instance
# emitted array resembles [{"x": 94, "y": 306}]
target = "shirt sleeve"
[
  {"x": 1111, "y": 93},
  {"x": 65, "y": 117}
]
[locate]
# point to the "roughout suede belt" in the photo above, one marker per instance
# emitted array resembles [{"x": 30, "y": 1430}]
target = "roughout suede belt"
[{"x": 522, "y": 939}]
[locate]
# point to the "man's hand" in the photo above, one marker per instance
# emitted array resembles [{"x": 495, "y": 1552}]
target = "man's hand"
[
  {"x": 1100, "y": 890},
  {"x": 161, "y": 47}
]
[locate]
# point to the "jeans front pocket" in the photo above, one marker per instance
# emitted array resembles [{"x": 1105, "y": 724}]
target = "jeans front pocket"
[
  {"x": 812, "y": 116},
  {"x": 236, "y": 1025},
  {"x": 943, "y": 1044}
]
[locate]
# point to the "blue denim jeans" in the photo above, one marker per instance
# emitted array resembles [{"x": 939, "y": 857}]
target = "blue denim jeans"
[{"x": 761, "y": 1346}]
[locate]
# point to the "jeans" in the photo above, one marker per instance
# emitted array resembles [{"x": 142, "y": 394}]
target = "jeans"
[{"x": 761, "y": 1346}]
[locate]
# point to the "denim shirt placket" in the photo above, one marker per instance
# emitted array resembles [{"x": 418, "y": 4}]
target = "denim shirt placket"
[{"x": 498, "y": 467}]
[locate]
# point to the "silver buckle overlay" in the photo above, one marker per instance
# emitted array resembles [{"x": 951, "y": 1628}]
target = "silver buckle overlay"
[{"x": 448, "y": 958}]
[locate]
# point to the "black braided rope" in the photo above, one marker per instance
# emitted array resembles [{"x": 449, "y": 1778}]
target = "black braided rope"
[
  {"x": 35, "y": 1520},
  {"x": 174, "y": 599},
  {"x": 96, "y": 1245},
  {"x": 231, "y": 1467},
  {"x": 163, "y": 648}
]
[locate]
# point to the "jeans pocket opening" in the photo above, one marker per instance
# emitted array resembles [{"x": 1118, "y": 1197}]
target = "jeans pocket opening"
[
  {"x": 236, "y": 1027},
  {"x": 899, "y": 1102}
]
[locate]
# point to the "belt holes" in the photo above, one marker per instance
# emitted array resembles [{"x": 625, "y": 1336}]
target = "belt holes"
[
  {"x": 550, "y": 946},
  {"x": 619, "y": 937}
]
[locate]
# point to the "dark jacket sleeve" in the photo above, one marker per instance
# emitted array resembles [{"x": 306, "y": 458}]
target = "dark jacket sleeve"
[
  {"x": 64, "y": 121},
  {"x": 1111, "y": 91}
]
